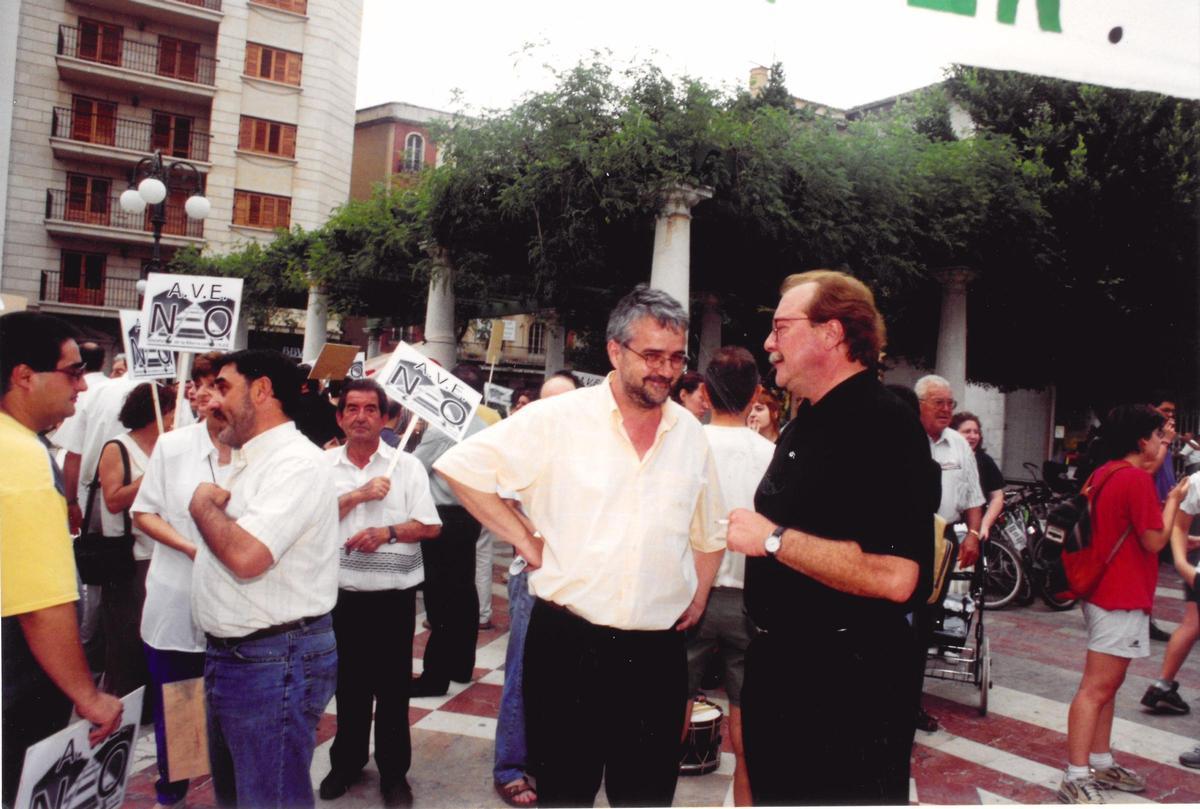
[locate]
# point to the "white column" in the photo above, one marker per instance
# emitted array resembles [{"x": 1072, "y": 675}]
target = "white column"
[
  {"x": 441, "y": 342},
  {"x": 952, "y": 331},
  {"x": 556, "y": 346},
  {"x": 710, "y": 332},
  {"x": 316, "y": 324},
  {"x": 670, "y": 270}
]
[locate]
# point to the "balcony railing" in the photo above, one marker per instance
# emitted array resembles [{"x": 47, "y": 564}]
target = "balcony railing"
[
  {"x": 115, "y": 293},
  {"x": 139, "y": 56},
  {"x": 125, "y": 133},
  {"x": 212, "y": 5},
  {"x": 106, "y": 211}
]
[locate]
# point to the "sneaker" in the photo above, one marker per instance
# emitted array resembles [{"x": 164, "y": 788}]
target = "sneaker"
[
  {"x": 1085, "y": 791},
  {"x": 1117, "y": 777},
  {"x": 1165, "y": 701},
  {"x": 1191, "y": 758}
]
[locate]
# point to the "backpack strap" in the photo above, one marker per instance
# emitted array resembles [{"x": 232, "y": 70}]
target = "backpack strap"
[{"x": 95, "y": 484}]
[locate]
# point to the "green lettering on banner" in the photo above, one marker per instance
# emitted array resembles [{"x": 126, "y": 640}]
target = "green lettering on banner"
[
  {"x": 964, "y": 7},
  {"x": 1048, "y": 16}
]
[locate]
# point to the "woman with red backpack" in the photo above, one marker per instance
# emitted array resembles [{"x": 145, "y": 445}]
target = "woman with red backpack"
[{"x": 1127, "y": 531}]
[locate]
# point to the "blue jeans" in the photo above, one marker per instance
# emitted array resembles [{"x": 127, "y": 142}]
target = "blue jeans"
[
  {"x": 168, "y": 666},
  {"x": 264, "y": 699},
  {"x": 511, "y": 750}
]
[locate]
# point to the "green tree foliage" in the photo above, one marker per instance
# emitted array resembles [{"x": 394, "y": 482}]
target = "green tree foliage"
[{"x": 1118, "y": 171}]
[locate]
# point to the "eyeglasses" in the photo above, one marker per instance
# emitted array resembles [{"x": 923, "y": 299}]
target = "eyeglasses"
[
  {"x": 656, "y": 359},
  {"x": 942, "y": 404},
  {"x": 75, "y": 372},
  {"x": 775, "y": 328}
]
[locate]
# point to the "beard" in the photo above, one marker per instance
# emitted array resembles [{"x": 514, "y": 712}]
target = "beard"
[
  {"x": 648, "y": 392},
  {"x": 237, "y": 421}
]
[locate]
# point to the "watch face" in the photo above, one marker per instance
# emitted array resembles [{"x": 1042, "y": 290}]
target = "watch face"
[{"x": 773, "y": 543}]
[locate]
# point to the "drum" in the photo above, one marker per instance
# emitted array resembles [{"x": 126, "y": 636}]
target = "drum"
[{"x": 702, "y": 745}]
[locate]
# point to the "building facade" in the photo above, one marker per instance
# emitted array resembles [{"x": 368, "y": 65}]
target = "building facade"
[
  {"x": 392, "y": 142},
  {"x": 257, "y": 95}
]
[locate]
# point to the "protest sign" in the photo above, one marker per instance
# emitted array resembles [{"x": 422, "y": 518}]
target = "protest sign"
[
  {"x": 333, "y": 362},
  {"x": 185, "y": 722},
  {"x": 358, "y": 368},
  {"x": 190, "y": 312},
  {"x": 588, "y": 380},
  {"x": 143, "y": 363},
  {"x": 430, "y": 391},
  {"x": 64, "y": 770},
  {"x": 497, "y": 395}
]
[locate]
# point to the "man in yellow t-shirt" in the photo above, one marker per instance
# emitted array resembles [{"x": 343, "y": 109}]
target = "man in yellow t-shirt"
[{"x": 44, "y": 669}]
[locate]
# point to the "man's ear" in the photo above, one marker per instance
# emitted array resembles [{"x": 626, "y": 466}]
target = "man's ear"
[
  {"x": 21, "y": 377},
  {"x": 261, "y": 390},
  {"x": 614, "y": 351}
]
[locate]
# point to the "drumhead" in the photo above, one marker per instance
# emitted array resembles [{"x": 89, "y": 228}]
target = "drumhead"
[{"x": 705, "y": 712}]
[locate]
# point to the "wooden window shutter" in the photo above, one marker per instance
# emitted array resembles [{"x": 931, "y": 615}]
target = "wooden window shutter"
[
  {"x": 283, "y": 213},
  {"x": 287, "y": 141},
  {"x": 253, "y": 57},
  {"x": 293, "y": 69},
  {"x": 241, "y": 208},
  {"x": 246, "y": 133}
]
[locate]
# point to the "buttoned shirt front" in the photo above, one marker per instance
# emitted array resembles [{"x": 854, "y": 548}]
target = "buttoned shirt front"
[
  {"x": 182, "y": 460},
  {"x": 388, "y": 567},
  {"x": 960, "y": 475},
  {"x": 619, "y": 530},
  {"x": 281, "y": 493}
]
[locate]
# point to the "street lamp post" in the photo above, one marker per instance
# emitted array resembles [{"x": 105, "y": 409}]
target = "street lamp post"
[{"x": 157, "y": 179}]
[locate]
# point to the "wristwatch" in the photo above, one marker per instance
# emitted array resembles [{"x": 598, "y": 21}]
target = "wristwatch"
[
  {"x": 774, "y": 541},
  {"x": 392, "y": 538}
]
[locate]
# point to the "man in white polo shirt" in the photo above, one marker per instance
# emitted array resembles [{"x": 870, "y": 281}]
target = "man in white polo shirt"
[
  {"x": 621, "y": 486},
  {"x": 384, "y": 517},
  {"x": 264, "y": 582}
]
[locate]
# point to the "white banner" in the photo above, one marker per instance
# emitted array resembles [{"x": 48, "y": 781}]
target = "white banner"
[
  {"x": 357, "y": 368},
  {"x": 429, "y": 390},
  {"x": 64, "y": 770},
  {"x": 1118, "y": 43},
  {"x": 588, "y": 380},
  {"x": 497, "y": 394},
  {"x": 144, "y": 363},
  {"x": 194, "y": 313}
]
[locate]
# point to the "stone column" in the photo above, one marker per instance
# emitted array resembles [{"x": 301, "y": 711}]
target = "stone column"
[
  {"x": 952, "y": 331},
  {"x": 710, "y": 332},
  {"x": 441, "y": 341},
  {"x": 316, "y": 323},
  {"x": 671, "y": 268},
  {"x": 556, "y": 346}
]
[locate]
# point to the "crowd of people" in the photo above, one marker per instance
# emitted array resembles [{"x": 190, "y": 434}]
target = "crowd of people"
[{"x": 664, "y": 524}]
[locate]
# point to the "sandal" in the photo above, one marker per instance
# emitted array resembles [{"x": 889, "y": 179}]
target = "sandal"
[{"x": 509, "y": 792}]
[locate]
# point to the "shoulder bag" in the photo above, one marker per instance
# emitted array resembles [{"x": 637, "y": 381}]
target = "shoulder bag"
[{"x": 105, "y": 560}]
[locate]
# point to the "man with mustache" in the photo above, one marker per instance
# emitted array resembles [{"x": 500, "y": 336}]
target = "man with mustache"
[
  {"x": 623, "y": 538},
  {"x": 174, "y": 645},
  {"x": 263, "y": 586},
  {"x": 836, "y": 558}
]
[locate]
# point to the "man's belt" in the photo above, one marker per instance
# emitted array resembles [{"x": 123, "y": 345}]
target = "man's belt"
[{"x": 266, "y": 632}]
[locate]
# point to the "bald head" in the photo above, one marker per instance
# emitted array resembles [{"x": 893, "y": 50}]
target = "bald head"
[{"x": 555, "y": 385}]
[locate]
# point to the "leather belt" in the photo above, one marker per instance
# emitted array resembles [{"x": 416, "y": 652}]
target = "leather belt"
[{"x": 266, "y": 632}]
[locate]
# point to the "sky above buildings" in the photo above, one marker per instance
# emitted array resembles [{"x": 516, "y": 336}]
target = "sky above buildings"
[{"x": 835, "y": 52}]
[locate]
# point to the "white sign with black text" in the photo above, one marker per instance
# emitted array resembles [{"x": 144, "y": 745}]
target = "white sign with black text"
[
  {"x": 194, "y": 313},
  {"x": 144, "y": 363},
  {"x": 430, "y": 391}
]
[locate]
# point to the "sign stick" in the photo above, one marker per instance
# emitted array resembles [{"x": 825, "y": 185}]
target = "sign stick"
[
  {"x": 184, "y": 360},
  {"x": 157, "y": 405},
  {"x": 408, "y": 431}
]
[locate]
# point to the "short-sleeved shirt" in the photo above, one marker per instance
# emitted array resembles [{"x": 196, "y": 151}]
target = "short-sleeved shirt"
[
  {"x": 37, "y": 562},
  {"x": 281, "y": 493},
  {"x": 95, "y": 425},
  {"x": 990, "y": 477},
  {"x": 1191, "y": 501},
  {"x": 619, "y": 529},
  {"x": 742, "y": 457},
  {"x": 854, "y": 466},
  {"x": 1125, "y": 501},
  {"x": 960, "y": 475},
  {"x": 388, "y": 567},
  {"x": 182, "y": 460}
]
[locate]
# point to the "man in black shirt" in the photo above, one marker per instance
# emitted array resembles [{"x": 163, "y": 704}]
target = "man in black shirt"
[{"x": 839, "y": 551}]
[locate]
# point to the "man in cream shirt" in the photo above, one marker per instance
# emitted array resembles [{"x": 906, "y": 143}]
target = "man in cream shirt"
[
  {"x": 264, "y": 582},
  {"x": 620, "y": 486}
]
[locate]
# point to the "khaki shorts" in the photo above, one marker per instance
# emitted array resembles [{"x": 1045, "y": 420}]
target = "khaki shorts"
[{"x": 1120, "y": 633}]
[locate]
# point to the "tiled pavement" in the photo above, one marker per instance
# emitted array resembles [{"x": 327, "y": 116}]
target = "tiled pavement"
[{"x": 1015, "y": 754}]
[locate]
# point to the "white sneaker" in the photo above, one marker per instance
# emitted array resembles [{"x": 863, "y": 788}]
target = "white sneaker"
[{"x": 1084, "y": 791}]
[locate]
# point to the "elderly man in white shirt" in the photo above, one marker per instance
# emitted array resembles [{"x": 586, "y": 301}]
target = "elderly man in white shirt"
[
  {"x": 263, "y": 584},
  {"x": 182, "y": 460},
  {"x": 619, "y": 483},
  {"x": 385, "y": 514},
  {"x": 962, "y": 496}
]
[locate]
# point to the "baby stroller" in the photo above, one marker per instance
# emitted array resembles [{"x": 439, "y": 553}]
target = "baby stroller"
[{"x": 959, "y": 648}]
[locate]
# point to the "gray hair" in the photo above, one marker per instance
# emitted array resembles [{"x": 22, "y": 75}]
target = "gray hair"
[
  {"x": 929, "y": 381},
  {"x": 645, "y": 302}
]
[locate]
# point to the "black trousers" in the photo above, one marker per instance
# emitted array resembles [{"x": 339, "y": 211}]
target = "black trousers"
[
  {"x": 451, "y": 602},
  {"x": 603, "y": 703},
  {"x": 827, "y": 716},
  {"x": 374, "y": 632}
]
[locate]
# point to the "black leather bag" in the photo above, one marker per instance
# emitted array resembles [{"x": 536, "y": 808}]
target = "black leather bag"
[{"x": 104, "y": 560}]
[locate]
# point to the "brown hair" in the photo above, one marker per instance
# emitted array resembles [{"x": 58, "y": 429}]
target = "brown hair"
[
  {"x": 774, "y": 405},
  {"x": 204, "y": 365},
  {"x": 846, "y": 299}
]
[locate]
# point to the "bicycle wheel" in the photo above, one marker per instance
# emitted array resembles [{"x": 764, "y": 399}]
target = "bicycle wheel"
[
  {"x": 1003, "y": 574},
  {"x": 1055, "y": 603}
]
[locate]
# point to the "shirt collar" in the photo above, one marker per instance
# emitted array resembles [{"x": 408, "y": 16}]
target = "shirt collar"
[
  {"x": 204, "y": 445},
  {"x": 384, "y": 451},
  {"x": 941, "y": 439},
  {"x": 5, "y": 418},
  {"x": 267, "y": 442},
  {"x": 670, "y": 415}
]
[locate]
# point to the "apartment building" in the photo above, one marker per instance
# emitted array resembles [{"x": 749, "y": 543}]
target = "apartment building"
[{"x": 256, "y": 95}]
